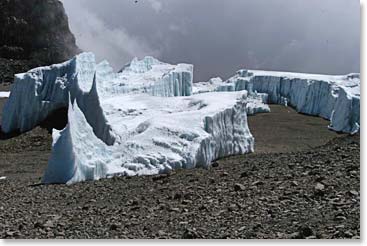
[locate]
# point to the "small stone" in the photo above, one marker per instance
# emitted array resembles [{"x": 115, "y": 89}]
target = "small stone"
[
  {"x": 319, "y": 186},
  {"x": 291, "y": 165},
  {"x": 354, "y": 193},
  {"x": 305, "y": 231},
  {"x": 174, "y": 209},
  {"x": 160, "y": 177},
  {"x": 161, "y": 233},
  {"x": 38, "y": 225},
  {"x": 339, "y": 174},
  {"x": 134, "y": 208},
  {"x": 215, "y": 164},
  {"x": 239, "y": 187},
  {"x": 232, "y": 208},
  {"x": 212, "y": 180},
  {"x": 242, "y": 228},
  {"x": 177, "y": 196},
  {"x": 60, "y": 234},
  {"x": 353, "y": 173},
  {"x": 9, "y": 234},
  {"x": 340, "y": 218},
  {"x": 186, "y": 202},
  {"x": 295, "y": 235},
  {"x": 49, "y": 224},
  {"x": 319, "y": 189},
  {"x": 320, "y": 179},
  {"x": 348, "y": 234},
  {"x": 257, "y": 226},
  {"x": 244, "y": 175},
  {"x": 224, "y": 174},
  {"x": 256, "y": 183},
  {"x": 191, "y": 234},
  {"x": 294, "y": 183},
  {"x": 311, "y": 237},
  {"x": 113, "y": 227},
  {"x": 133, "y": 203}
]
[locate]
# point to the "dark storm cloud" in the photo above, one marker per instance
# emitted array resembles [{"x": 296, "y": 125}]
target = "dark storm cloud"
[{"x": 221, "y": 36}]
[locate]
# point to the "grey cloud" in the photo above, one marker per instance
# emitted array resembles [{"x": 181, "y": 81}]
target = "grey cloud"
[{"x": 221, "y": 36}]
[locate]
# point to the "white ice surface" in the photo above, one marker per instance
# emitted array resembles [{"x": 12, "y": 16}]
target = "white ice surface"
[
  {"x": 153, "y": 135},
  {"x": 4, "y": 94}
]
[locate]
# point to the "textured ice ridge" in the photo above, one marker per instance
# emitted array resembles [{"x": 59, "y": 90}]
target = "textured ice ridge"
[
  {"x": 41, "y": 91},
  {"x": 155, "y": 135},
  {"x": 336, "y": 98}
]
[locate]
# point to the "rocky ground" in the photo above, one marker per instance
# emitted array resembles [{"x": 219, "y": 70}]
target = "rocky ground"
[{"x": 303, "y": 182}]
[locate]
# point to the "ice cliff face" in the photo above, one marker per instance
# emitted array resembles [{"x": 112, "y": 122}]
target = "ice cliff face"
[
  {"x": 39, "y": 92},
  {"x": 336, "y": 98}
]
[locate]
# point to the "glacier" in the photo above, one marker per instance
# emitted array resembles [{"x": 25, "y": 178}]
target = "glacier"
[
  {"x": 154, "y": 135},
  {"x": 142, "y": 120},
  {"x": 150, "y": 118},
  {"x": 335, "y": 98}
]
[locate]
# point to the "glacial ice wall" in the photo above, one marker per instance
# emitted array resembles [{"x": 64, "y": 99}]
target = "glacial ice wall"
[
  {"x": 336, "y": 98},
  {"x": 41, "y": 91},
  {"x": 155, "y": 135}
]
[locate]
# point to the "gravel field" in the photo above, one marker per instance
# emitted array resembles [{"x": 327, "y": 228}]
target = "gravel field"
[{"x": 303, "y": 182}]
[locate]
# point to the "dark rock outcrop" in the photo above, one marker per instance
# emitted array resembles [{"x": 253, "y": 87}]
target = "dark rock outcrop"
[{"x": 33, "y": 33}]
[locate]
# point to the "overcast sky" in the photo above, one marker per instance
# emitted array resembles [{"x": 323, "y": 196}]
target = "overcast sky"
[{"x": 221, "y": 36}]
